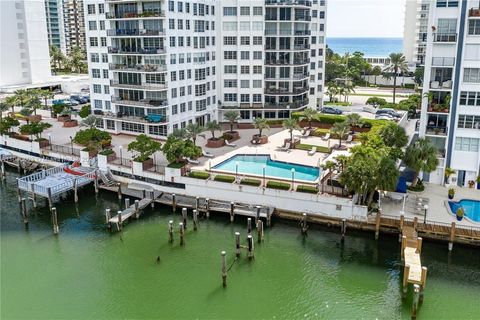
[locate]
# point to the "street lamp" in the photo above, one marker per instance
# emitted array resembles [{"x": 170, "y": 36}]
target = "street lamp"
[
  {"x": 120, "y": 150},
  {"x": 293, "y": 178},
  {"x": 71, "y": 143},
  {"x": 425, "y": 207},
  {"x": 236, "y": 169},
  {"x": 50, "y": 141},
  {"x": 264, "y": 167}
]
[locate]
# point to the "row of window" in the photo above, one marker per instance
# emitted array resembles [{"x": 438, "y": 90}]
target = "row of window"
[
  {"x": 98, "y": 104},
  {"x": 97, "y": 88},
  {"x": 281, "y": 114},
  {"x": 91, "y": 8},
  {"x": 244, "y": 11},
  {"x": 94, "y": 41},
  {"x": 244, "y": 41},
  {"x": 471, "y": 75},
  {"x": 447, "y": 3},
  {"x": 243, "y": 83},
  {"x": 95, "y": 57},
  {"x": 200, "y": 90},
  {"x": 199, "y": 9},
  {"x": 232, "y": 69},
  {"x": 466, "y": 144},
  {"x": 200, "y": 57},
  {"x": 199, "y": 25},
  {"x": 244, "y": 26},
  {"x": 245, "y": 98},
  {"x": 244, "y": 55},
  {"x": 470, "y": 98},
  {"x": 198, "y": 42},
  {"x": 92, "y": 25},
  {"x": 96, "y": 73},
  {"x": 468, "y": 122}
]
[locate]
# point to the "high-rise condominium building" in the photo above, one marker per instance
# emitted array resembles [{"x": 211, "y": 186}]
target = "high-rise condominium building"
[
  {"x": 415, "y": 31},
  {"x": 55, "y": 25},
  {"x": 23, "y": 43},
  {"x": 74, "y": 24},
  {"x": 451, "y": 113},
  {"x": 160, "y": 65}
]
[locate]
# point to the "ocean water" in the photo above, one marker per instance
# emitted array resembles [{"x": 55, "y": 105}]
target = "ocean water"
[{"x": 371, "y": 47}]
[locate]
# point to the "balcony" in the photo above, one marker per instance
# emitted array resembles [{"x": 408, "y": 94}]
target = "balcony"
[
  {"x": 141, "y": 103},
  {"x": 134, "y": 15},
  {"x": 114, "y": 50},
  {"x": 474, "y": 13},
  {"x": 149, "y": 118},
  {"x": 137, "y": 68},
  {"x": 445, "y": 37},
  {"x": 287, "y": 62},
  {"x": 443, "y": 61},
  {"x": 296, "y": 76},
  {"x": 436, "y": 131},
  {"x": 134, "y": 32},
  {"x": 303, "y": 18},
  {"x": 304, "y": 3},
  {"x": 286, "y": 91},
  {"x": 445, "y": 84},
  {"x": 145, "y": 86},
  {"x": 302, "y": 32},
  {"x": 287, "y": 105}
]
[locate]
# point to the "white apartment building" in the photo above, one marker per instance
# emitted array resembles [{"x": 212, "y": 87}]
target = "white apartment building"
[
  {"x": 24, "y": 51},
  {"x": 415, "y": 31},
  {"x": 159, "y": 65},
  {"x": 451, "y": 117},
  {"x": 74, "y": 24}
]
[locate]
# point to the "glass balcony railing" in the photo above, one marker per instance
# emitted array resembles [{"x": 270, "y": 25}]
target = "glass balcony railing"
[
  {"x": 146, "y": 86},
  {"x": 137, "y": 67},
  {"x": 142, "y": 103},
  {"x": 126, "y": 50},
  {"x": 134, "y": 32},
  {"x": 445, "y": 37},
  {"x": 305, "y": 3},
  {"x": 443, "y": 61},
  {"x": 131, "y": 15}
]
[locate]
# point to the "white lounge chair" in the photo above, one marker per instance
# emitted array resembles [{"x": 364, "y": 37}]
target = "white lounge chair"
[
  {"x": 286, "y": 147},
  {"x": 233, "y": 145},
  {"x": 313, "y": 151},
  {"x": 207, "y": 154},
  {"x": 326, "y": 137},
  {"x": 191, "y": 161},
  {"x": 306, "y": 133},
  {"x": 349, "y": 139},
  {"x": 434, "y": 84},
  {"x": 447, "y": 84}
]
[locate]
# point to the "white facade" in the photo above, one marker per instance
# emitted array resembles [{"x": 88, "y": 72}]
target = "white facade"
[
  {"x": 451, "y": 118},
  {"x": 415, "y": 30},
  {"x": 24, "y": 50},
  {"x": 171, "y": 63}
]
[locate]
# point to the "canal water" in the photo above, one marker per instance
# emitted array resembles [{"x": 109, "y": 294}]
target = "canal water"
[{"x": 86, "y": 272}]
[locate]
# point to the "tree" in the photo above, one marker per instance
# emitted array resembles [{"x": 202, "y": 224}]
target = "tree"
[
  {"x": 176, "y": 150},
  {"x": 376, "y": 71},
  {"x": 340, "y": 129},
  {"x": 393, "y": 135},
  {"x": 35, "y": 129},
  {"x": 193, "y": 130},
  {"x": 330, "y": 166},
  {"x": 332, "y": 91},
  {"x": 421, "y": 156},
  {"x": 56, "y": 57},
  {"x": 144, "y": 146},
  {"x": 6, "y": 124},
  {"x": 448, "y": 173},
  {"x": 398, "y": 64},
  {"x": 91, "y": 121},
  {"x": 261, "y": 124},
  {"x": 213, "y": 126},
  {"x": 418, "y": 76},
  {"x": 180, "y": 133},
  {"x": 92, "y": 137},
  {"x": 33, "y": 102},
  {"x": 3, "y": 107},
  {"x": 11, "y": 102},
  {"x": 353, "y": 119},
  {"x": 342, "y": 161},
  {"x": 85, "y": 111},
  {"x": 231, "y": 116},
  {"x": 309, "y": 114},
  {"x": 290, "y": 125},
  {"x": 45, "y": 95},
  {"x": 76, "y": 59},
  {"x": 20, "y": 97},
  {"x": 376, "y": 102}
]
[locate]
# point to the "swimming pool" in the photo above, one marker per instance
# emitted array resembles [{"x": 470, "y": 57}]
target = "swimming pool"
[
  {"x": 253, "y": 165},
  {"x": 471, "y": 207}
]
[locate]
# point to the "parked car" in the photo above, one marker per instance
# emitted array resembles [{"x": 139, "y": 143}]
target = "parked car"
[
  {"x": 331, "y": 110},
  {"x": 70, "y": 102},
  {"x": 388, "y": 111},
  {"x": 79, "y": 99},
  {"x": 58, "y": 101},
  {"x": 384, "y": 116}
]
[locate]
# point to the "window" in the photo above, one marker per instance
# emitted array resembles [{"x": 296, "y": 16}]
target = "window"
[
  {"x": 157, "y": 130},
  {"x": 93, "y": 42},
  {"x": 232, "y": 41},
  {"x": 133, "y": 127},
  {"x": 101, "y": 8},
  {"x": 468, "y": 122},
  {"x": 173, "y": 76},
  {"x": 257, "y": 83},
  {"x": 172, "y": 41},
  {"x": 230, "y": 83},
  {"x": 257, "y": 55},
  {"x": 230, "y": 55},
  {"x": 466, "y": 144},
  {"x": 230, "y": 97},
  {"x": 94, "y": 57},
  {"x": 471, "y": 75},
  {"x": 257, "y": 26},
  {"x": 105, "y": 73},
  {"x": 244, "y": 25},
  {"x": 104, "y": 58},
  {"x": 244, "y": 11},
  {"x": 245, "y": 98},
  {"x": 257, "y": 11},
  {"x": 92, "y": 25},
  {"x": 95, "y": 73},
  {"x": 103, "y": 41},
  {"x": 257, "y": 41},
  {"x": 245, "y": 84},
  {"x": 106, "y": 89},
  {"x": 110, "y": 124},
  {"x": 174, "y": 109},
  {"x": 97, "y": 88},
  {"x": 447, "y": 3},
  {"x": 229, "y": 26},
  {"x": 257, "y": 69},
  {"x": 171, "y": 6},
  {"x": 257, "y": 98},
  {"x": 245, "y": 69},
  {"x": 447, "y": 26},
  {"x": 229, "y": 11},
  {"x": 470, "y": 98},
  {"x": 102, "y": 25},
  {"x": 97, "y": 104},
  {"x": 91, "y": 9},
  {"x": 245, "y": 55},
  {"x": 230, "y": 69},
  {"x": 245, "y": 41},
  {"x": 474, "y": 27},
  {"x": 245, "y": 114}
]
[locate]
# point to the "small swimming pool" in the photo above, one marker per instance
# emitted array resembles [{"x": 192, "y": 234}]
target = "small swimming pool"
[
  {"x": 471, "y": 207},
  {"x": 253, "y": 165}
]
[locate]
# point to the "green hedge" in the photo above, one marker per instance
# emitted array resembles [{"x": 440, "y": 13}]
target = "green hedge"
[
  {"x": 106, "y": 152},
  {"x": 278, "y": 185},
  {"x": 339, "y": 103},
  {"x": 222, "y": 178},
  {"x": 308, "y": 147},
  {"x": 251, "y": 182},
  {"x": 176, "y": 165},
  {"x": 322, "y": 118},
  {"x": 307, "y": 189},
  {"x": 199, "y": 175}
]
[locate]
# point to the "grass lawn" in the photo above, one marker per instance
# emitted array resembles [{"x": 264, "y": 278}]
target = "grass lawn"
[{"x": 308, "y": 147}]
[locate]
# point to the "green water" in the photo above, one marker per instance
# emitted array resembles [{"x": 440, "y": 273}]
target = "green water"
[{"x": 86, "y": 272}]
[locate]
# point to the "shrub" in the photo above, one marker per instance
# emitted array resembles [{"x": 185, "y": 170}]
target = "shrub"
[
  {"x": 176, "y": 165},
  {"x": 87, "y": 136},
  {"x": 144, "y": 146},
  {"x": 199, "y": 175},
  {"x": 339, "y": 103},
  {"x": 227, "y": 136},
  {"x": 320, "y": 132},
  {"x": 278, "y": 185},
  {"x": 85, "y": 111},
  {"x": 307, "y": 189},
  {"x": 418, "y": 188},
  {"x": 308, "y": 147},
  {"x": 106, "y": 152},
  {"x": 251, "y": 182},
  {"x": 57, "y": 108},
  {"x": 223, "y": 178}
]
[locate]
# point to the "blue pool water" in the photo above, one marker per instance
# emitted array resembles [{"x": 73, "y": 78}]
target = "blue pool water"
[
  {"x": 471, "y": 207},
  {"x": 253, "y": 164}
]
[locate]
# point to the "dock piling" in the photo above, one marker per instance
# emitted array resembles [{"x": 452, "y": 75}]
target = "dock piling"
[
  {"x": 419, "y": 245},
  {"x": 237, "y": 244},
  {"x": 119, "y": 191},
  {"x": 96, "y": 182},
  {"x": 182, "y": 233},
  {"x": 174, "y": 203},
  {"x": 23, "y": 206},
  {"x": 377, "y": 224},
  {"x": 269, "y": 218},
  {"x": 137, "y": 210},
  {"x": 303, "y": 224},
  {"x": 2, "y": 170},
  {"x": 170, "y": 231},
  {"x": 415, "y": 223},
  {"x": 144, "y": 194},
  {"x": 108, "y": 216},
  {"x": 49, "y": 197},
  {"x": 207, "y": 207},
  {"x": 402, "y": 221},
  {"x": 406, "y": 272},
  {"x": 34, "y": 196},
  {"x": 184, "y": 217},
  {"x": 424, "y": 282},
  {"x": 195, "y": 219},
  {"x": 404, "y": 245},
  {"x": 55, "y": 221},
  {"x": 249, "y": 226},
  {"x": 19, "y": 194},
  {"x": 152, "y": 197},
  {"x": 344, "y": 228},
  {"x": 260, "y": 230},
  {"x": 120, "y": 222},
  {"x": 257, "y": 217},
  {"x": 452, "y": 237},
  {"x": 127, "y": 203},
  {"x": 250, "y": 247},
  {"x": 224, "y": 269},
  {"x": 416, "y": 298},
  {"x": 197, "y": 203},
  {"x": 75, "y": 190},
  {"x": 232, "y": 211}
]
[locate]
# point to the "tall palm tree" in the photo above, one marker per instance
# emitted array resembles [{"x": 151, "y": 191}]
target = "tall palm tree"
[
  {"x": 11, "y": 101},
  {"x": 398, "y": 64},
  {"x": 353, "y": 119},
  {"x": 309, "y": 114},
  {"x": 421, "y": 156},
  {"x": 290, "y": 124},
  {"x": 193, "y": 130},
  {"x": 340, "y": 129},
  {"x": 331, "y": 167},
  {"x": 76, "y": 59},
  {"x": 342, "y": 161},
  {"x": 231, "y": 116},
  {"x": 348, "y": 88},
  {"x": 213, "y": 126},
  {"x": 3, "y": 107},
  {"x": 21, "y": 97},
  {"x": 332, "y": 91},
  {"x": 180, "y": 133},
  {"x": 56, "y": 57},
  {"x": 261, "y": 124},
  {"x": 45, "y": 95}
]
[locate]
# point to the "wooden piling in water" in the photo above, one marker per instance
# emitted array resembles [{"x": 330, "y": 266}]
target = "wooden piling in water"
[
  {"x": 120, "y": 222},
  {"x": 406, "y": 271},
  {"x": 152, "y": 197},
  {"x": 452, "y": 237},
  {"x": 416, "y": 298},
  {"x": 424, "y": 282},
  {"x": 75, "y": 190},
  {"x": 195, "y": 219},
  {"x": 174, "y": 203},
  {"x": 127, "y": 203},
  {"x": 182, "y": 233},
  {"x": 96, "y": 182},
  {"x": 2, "y": 170},
  {"x": 108, "y": 216},
  {"x": 49, "y": 197},
  {"x": 170, "y": 231},
  {"x": 184, "y": 217},
  {"x": 344, "y": 228},
  {"x": 207, "y": 207},
  {"x": 377, "y": 224},
  {"x": 23, "y": 206},
  {"x": 119, "y": 191},
  {"x": 144, "y": 194},
  {"x": 55, "y": 221},
  {"x": 400, "y": 228},
  {"x": 419, "y": 245},
  {"x": 257, "y": 217},
  {"x": 224, "y": 269},
  {"x": 232, "y": 211},
  {"x": 237, "y": 244},
  {"x": 404, "y": 245},
  {"x": 137, "y": 209},
  {"x": 269, "y": 218},
  {"x": 250, "y": 247},
  {"x": 260, "y": 230},
  {"x": 303, "y": 224},
  {"x": 197, "y": 203},
  {"x": 19, "y": 194},
  {"x": 415, "y": 223},
  {"x": 34, "y": 196},
  {"x": 249, "y": 226}
]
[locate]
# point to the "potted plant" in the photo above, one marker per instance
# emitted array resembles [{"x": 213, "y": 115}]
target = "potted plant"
[
  {"x": 177, "y": 150},
  {"x": 144, "y": 147},
  {"x": 451, "y": 193},
  {"x": 478, "y": 182},
  {"x": 460, "y": 213},
  {"x": 471, "y": 184},
  {"x": 260, "y": 124},
  {"x": 56, "y": 109},
  {"x": 109, "y": 153},
  {"x": 214, "y": 142},
  {"x": 66, "y": 116},
  {"x": 92, "y": 139},
  {"x": 232, "y": 116},
  {"x": 36, "y": 129},
  {"x": 448, "y": 173}
]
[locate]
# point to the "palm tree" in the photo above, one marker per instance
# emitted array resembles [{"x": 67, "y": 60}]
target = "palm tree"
[
  {"x": 193, "y": 130},
  {"x": 179, "y": 133},
  {"x": 448, "y": 173},
  {"x": 398, "y": 64},
  {"x": 309, "y": 114},
  {"x": 290, "y": 124},
  {"x": 353, "y": 119},
  {"x": 330, "y": 166},
  {"x": 76, "y": 59},
  {"x": 347, "y": 89},
  {"x": 56, "y": 57},
  {"x": 421, "y": 156},
  {"x": 213, "y": 126},
  {"x": 332, "y": 91},
  {"x": 91, "y": 121},
  {"x": 261, "y": 124},
  {"x": 11, "y": 101},
  {"x": 231, "y": 116},
  {"x": 340, "y": 129},
  {"x": 342, "y": 161},
  {"x": 45, "y": 95},
  {"x": 3, "y": 107},
  {"x": 33, "y": 100},
  {"x": 21, "y": 96}
]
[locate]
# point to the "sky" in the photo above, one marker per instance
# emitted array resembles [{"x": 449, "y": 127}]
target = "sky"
[{"x": 365, "y": 18}]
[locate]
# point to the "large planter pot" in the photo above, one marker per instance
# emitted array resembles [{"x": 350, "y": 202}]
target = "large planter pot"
[
  {"x": 43, "y": 143},
  {"x": 111, "y": 157},
  {"x": 63, "y": 118},
  {"x": 147, "y": 164},
  {"x": 259, "y": 139},
  {"x": 70, "y": 123},
  {"x": 215, "y": 143},
  {"x": 233, "y": 135},
  {"x": 459, "y": 218},
  {"x": 34, "y": 118}
]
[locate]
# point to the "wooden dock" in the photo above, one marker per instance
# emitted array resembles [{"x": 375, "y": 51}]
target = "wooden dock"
[{"x": 133, "y": 210}]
